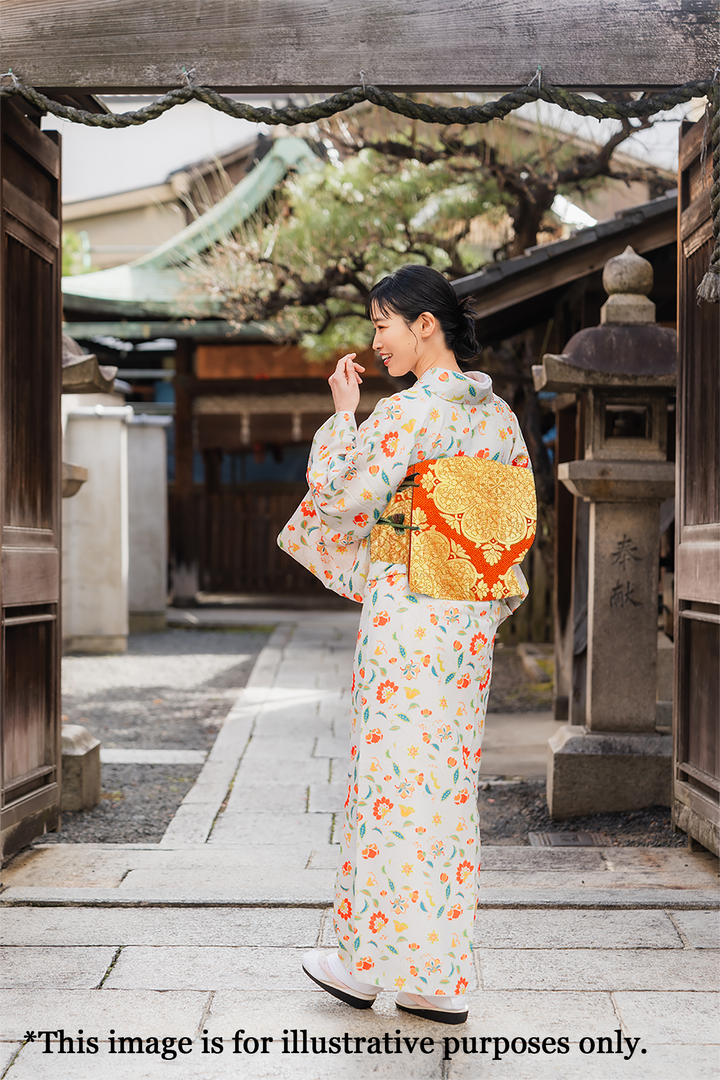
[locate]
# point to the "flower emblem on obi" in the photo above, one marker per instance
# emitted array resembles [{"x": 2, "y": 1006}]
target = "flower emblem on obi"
[{"x": 460, "y": 525}]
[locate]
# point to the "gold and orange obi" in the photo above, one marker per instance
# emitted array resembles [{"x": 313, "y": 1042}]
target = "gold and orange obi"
[{"x": 460, "y": 525}]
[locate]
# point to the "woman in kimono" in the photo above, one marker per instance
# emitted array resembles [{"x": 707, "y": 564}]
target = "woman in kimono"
[{"x": 418, "y": 515}]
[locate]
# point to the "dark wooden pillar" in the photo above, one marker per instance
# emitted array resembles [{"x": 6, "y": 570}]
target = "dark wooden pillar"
[{"x": 184, "y": 531}]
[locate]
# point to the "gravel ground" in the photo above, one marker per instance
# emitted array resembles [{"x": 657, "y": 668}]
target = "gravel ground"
[
  {"x": 138, "y": 803},
  {"x": 508, "y": 814},
  {"x": 171, "y": 690}
]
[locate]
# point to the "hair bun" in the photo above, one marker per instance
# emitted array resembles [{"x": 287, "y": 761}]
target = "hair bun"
[{"x": 465, "y": 344}]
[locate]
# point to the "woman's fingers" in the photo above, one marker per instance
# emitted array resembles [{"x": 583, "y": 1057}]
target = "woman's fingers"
[{"x": 347, "y": 369}]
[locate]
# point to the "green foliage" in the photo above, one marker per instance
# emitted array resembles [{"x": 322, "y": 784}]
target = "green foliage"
[
  {"x": 332, "y": 232},
  {"x": 406, "y": 193},
  {"x": 75, "y": 254}
]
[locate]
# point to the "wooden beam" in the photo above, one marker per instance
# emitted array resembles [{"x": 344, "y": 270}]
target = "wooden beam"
[{"x": 117, "y": 46}]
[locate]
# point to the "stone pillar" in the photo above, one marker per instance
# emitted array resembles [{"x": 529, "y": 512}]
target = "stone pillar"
[
  {"x": 95, "y": 526},
  {"x": 147, "y": 523},
  {"x": 615, "y": 759},
  {"x": 622, "y": 616}
]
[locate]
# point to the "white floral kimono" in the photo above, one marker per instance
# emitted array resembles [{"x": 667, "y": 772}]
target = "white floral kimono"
[{"x": 410, "y": 847}]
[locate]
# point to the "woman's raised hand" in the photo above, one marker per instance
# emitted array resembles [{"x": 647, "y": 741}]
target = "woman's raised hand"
[{"x": 345, "y": 383}]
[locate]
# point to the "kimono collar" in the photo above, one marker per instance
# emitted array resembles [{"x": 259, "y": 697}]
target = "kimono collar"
[{"x": 469, "y": 387}]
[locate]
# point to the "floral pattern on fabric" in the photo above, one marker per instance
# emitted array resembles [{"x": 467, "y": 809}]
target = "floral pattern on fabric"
[
  {"x": 410, "y": 846},
  {"x": 407, "y": 880}
]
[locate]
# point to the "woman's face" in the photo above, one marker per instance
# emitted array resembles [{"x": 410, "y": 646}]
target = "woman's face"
[{"x": 399, "y": 345}]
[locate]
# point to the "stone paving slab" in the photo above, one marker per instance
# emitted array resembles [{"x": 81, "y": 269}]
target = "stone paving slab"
[
  {"x": 8, "y": 1051},
  {"x": 291, "y": 723},
  {"x": 576, "y": 930},
  {"x": 247, "y": 798},
  {"x": 677, "y": 861},
  {"x": 246, "y": 886},
  {"x": 546, "y": 859},
  {"x": 660, "y": 1063},
  {"x": 699, "y": 929},
  {"x": 142, "y": 1012},
  {"x": 333, "y": 747},
  {"x": 245, "y": 828},
  {"x": 72, "y": 968},
  {"x": 665, "y": 1017},
  {"x": 327, "y": 797},
  {"x": 71, "y": 865},
  {"x": 591, "y": 879},
  {"x": 211, "y": 967},
  {"x": 264, "y": 750},
  {"x": 282, "y": 770},
  {"x": 590, "y": 969},
  {"x": 276, "y": 927}
]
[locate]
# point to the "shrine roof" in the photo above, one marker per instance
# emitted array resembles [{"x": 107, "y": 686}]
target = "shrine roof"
[
  {"x": 503, "y": 289},
  {"x": 153, "y": 286}
]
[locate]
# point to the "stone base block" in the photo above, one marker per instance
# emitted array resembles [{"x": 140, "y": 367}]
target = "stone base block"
[
  {"x": 145, "y": 622},
  {"x": 591, "y": 772},
  {"x": 95, "y": 644},
  {"x": 80, "y": 768}
]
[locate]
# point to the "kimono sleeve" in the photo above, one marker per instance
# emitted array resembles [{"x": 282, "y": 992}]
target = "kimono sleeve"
[{"x": 352, "y": 475}]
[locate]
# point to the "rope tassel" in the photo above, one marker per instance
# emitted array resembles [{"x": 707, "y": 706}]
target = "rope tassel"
[{"x": 709, "y": 287}]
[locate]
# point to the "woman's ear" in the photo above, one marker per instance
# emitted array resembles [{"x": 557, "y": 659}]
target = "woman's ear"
[{"x": 428, "y": 323}]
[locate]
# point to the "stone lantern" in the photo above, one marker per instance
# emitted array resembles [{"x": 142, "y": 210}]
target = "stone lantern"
[{"x": 625, "y": 370}]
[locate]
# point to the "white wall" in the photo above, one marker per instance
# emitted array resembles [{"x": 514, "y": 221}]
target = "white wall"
[
  {"x": 95, "y": 525},
  {"x": 147, "y": 522}
]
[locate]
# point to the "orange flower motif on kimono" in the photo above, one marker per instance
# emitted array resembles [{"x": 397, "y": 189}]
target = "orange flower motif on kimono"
[
  {"x": 365, "y": 964},
  {"x": 373, "y": 736},
  {"x": 381, "y": 619},
  {"x": 463, "y": 872},
  {"x": 370, "y": 852},
  {"x": 478, "y": 642},
  {"x": 386, "y": 690},
  {"x": 347, "y": 868},
  {"x": 381, "y": 808},
  {"x": 378, "y": 921},
  {"x": 461, "y": 986},
  {"x": 462, "y": 796},
  {"x": 455, "y": 912},
  {"x": 361, "y": 520},
  {"x": 345, "y": 909},
  {"x": 389, "y": 444}
]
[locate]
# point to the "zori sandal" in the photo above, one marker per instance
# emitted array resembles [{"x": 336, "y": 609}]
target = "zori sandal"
[
  {"x": 328, "y": 972},
  {"x": 445, "y": 1010}
]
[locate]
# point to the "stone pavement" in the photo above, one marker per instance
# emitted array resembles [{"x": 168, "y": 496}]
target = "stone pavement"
[{"x": 579, "y": 952}]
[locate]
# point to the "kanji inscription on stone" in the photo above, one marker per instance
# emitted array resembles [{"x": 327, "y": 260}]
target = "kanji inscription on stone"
[
  {"x": 625, "y": 552},
  {"x": 622, "y": 595}
]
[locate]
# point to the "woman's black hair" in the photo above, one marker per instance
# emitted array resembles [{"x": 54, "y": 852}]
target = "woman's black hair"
[{"x": 413, "y": 289}]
